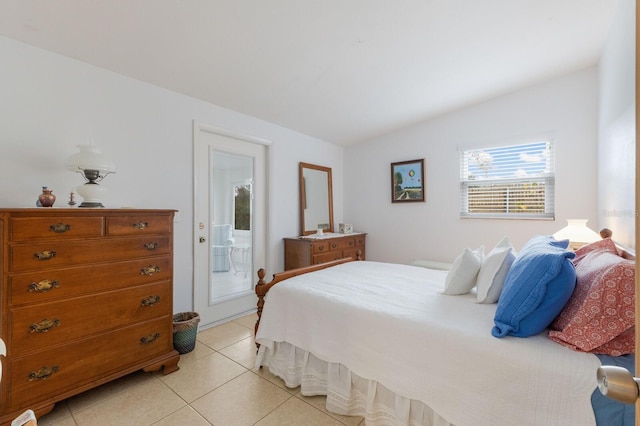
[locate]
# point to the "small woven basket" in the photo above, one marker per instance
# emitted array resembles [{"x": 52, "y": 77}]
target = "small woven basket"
[{"x": 185, "y": 329}]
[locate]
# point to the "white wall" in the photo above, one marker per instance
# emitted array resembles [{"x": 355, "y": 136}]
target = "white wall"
[
  {"x": 50, "y": 103},
  {"x": 565, "y": 108},
  {"x": 616, "y": 153}
]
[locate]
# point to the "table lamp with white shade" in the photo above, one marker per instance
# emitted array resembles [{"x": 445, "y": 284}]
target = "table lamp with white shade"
[
  {"x": 93, "y": 166},
  {"x": 578, "y": 233}
]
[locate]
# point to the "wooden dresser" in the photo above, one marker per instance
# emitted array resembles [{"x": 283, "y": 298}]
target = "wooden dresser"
[
  {"x": 87, "y": 297},
  {"x": 299, "y": 252}
]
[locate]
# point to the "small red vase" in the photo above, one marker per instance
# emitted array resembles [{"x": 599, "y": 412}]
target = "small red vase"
[{"x": 46, "y": 199}]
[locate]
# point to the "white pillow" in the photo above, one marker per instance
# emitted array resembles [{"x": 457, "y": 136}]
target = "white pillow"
[
  {"x": 494, "y": 271},
  {"x": 462, "y": 276}
]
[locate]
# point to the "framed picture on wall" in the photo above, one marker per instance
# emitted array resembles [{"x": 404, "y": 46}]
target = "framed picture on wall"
[{"x": 407, "y": 181}]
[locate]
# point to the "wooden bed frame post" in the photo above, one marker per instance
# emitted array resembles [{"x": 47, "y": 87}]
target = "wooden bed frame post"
[{"x": 261, "y": 291}]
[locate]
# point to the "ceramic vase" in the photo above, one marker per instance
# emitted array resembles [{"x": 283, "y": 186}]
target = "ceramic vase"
[{"x": 46, "y": 199}]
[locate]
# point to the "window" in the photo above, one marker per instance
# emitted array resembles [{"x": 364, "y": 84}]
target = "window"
[
  {"x": 242, "y": 207},
  {"x": 513, "y": 182}
]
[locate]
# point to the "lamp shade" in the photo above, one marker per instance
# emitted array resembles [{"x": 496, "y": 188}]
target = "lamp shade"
[
  {"x": 90, "y": 158},
  {"x": 93, "y": 166},
  {"x": 577, "y": 232}
]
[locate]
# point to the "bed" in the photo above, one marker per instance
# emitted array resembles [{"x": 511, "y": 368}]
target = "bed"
[{"x": 408, "y": 345}]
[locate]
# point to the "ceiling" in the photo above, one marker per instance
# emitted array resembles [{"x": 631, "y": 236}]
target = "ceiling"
[{"x": 342, "y": 71}]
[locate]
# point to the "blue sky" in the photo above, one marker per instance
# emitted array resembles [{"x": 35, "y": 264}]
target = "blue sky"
[
  {"x": 407, "y": 179},
  {"x": 508, "y": 162}
]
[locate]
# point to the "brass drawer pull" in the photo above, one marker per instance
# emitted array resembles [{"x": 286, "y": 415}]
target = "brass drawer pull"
[
  {"x": 45, "y": 255},
  {"x": 151, "y": 246},
  {"x": 149, "y": 338},
  {"x": 43, "y": 286},
  {"x": 149, "y": 270},
  {"x": 150, "y": 301},
  {"x": 140, "y": 225},
  {"x": 60, "y": 228},
  {"x": 43, "y": 373},
  {"x": 44, "y": 326}
]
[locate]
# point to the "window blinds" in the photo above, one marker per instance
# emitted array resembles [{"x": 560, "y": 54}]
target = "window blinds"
[{"x": 514, "y": 182}]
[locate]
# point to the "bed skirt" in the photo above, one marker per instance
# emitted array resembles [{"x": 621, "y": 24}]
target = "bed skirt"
[{"x": 347, "y": 393}]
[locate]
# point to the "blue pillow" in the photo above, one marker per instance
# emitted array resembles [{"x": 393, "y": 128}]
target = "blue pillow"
[{"x": 537, "y": 287}]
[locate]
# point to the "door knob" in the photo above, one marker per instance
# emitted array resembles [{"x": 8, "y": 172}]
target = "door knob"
[
  {"x": 618, "y": 383},
  {"x": 202, "y": 240}
]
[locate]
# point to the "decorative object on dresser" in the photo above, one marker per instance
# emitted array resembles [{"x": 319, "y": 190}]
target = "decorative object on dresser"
[
  {"x": 46, "y": 199},
  {"x": 87, "y": 297},
  {"x": 345, "y": 228},
  {"x": 72, "y": 201},
  {"x": 315, "y": 249},
  {"x": 93, "y": 166}
]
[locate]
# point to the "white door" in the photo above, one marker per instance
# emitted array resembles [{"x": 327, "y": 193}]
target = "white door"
[{"x": 230, "y": 180}]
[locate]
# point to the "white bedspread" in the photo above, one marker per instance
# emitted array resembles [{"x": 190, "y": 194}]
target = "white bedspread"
[{"x": 389, "y": 323}]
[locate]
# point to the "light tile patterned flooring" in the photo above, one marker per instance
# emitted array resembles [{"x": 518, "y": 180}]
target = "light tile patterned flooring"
[{"x": 217, "y": 384}]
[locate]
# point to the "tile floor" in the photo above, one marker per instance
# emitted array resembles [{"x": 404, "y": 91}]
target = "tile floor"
[{"x": 216, "y": 385}]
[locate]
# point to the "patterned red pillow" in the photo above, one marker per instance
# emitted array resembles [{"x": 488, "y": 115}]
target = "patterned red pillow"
[
  {"x": 600, "y": 315},
  {"x": 605, "y": 244}
]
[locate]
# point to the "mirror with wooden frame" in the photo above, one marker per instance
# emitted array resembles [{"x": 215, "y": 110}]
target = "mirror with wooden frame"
[{"x": 316, "y": 199}]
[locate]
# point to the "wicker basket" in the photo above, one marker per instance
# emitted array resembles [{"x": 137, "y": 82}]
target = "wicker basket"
[{"x": 185, "y": 329}]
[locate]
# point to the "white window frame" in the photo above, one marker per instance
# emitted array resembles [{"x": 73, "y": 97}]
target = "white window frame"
[{"x": 503, "y": 176}]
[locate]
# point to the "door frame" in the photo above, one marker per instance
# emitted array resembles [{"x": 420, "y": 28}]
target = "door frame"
[
  {"x": 203, "y": 127},
  {"x": 637, "y": 202}
]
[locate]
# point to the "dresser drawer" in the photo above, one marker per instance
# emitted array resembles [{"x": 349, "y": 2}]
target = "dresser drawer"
[
  {"x": 66, "y": 367},
  {"x": 29, "y": 228},
  {"x": 55, "y": 254},
  {"x": 51, "y": 284},
  {"x": 327, "y": 257},
  {"x": 39, "y": 325},
  {"x": 138, "y": 225},
  {"x": 319, "y": 247},
  {"x": 346, "y": 243},
  {"x": 334, "y": 244}
]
